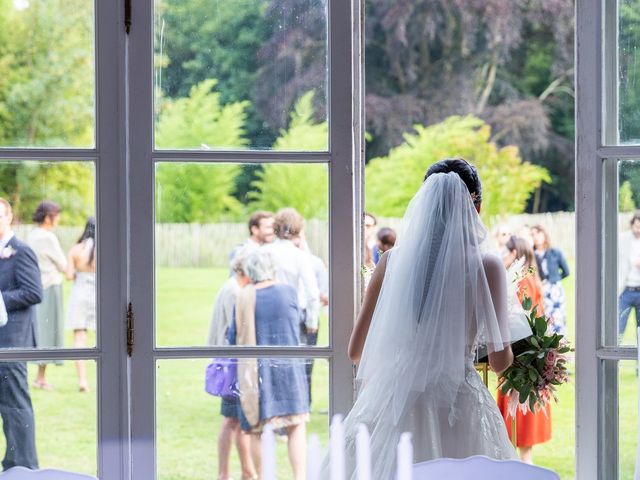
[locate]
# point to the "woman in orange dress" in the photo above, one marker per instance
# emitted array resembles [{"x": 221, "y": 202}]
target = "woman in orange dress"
[{"x": 531, "y": 428}]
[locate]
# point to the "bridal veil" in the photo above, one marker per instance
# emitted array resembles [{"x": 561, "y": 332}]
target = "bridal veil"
[{"x": 435, "y": 306}]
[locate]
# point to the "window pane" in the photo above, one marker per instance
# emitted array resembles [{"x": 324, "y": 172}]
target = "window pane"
[
  {"x": 53, "y": 217},
  {"x": 628, "y": 251},
  {"x": 65, "y": 416},
  {"x": 627, "y": 417},
  {"x": 47, "y": 73},
  {"x": 619, "y": 435},
  {"x": 193, "y": 427},
  {"x": 629, "y": 71},
  {"x": 236, "y": 74},
  {"x": 202, "y": 233}
]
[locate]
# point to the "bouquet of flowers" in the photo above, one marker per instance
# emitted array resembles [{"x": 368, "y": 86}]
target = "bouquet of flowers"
[{"x": 541, "y": 366}]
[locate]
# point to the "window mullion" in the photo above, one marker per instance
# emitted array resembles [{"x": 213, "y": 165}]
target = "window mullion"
[
  {"x": 342, "y": 198},
  {"x": 588, "y": 231},
  {"x": 609, "y": 327},
  {"x": 140, "y": 225},
  {"x": 245, "y": 352},
  {"x": 110, "y": 240}
]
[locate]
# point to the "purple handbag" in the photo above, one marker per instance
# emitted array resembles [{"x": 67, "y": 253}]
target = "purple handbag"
[{"x": 221, "y": 378}]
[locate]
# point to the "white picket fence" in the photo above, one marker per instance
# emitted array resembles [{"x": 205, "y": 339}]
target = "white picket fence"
[{"x": 208, "y": 245}]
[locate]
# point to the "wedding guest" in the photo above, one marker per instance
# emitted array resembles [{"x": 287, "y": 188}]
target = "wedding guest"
[
  {"x": 502, "y": 234},
  {"x": 531, "y": 428},
  {"x": 225, "y": 300},
  {"x": 319, "y": 267},
  {"x": 273, "y": 391},
  {"x": 220, "y": 322},
  {"x": 385, "y": 240},
  {"x": 52, "y": 263},
  {"x": 21, "y": 287},
  {"x": 294, "y": 267},
  {"x": 370, "y": 255},
  {"x": 322, "y": 279},
  {"x": 552, "y": 268},
  {"x": 629, "y": 273},
  {"x": 260, "y": 232},
  {"x": 81, "y": 313}
]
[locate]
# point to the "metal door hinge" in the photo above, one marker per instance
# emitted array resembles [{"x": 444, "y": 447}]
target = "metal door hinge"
[
  {"x": 127, "y": 16},
  {"x": 130, "y": 319}
]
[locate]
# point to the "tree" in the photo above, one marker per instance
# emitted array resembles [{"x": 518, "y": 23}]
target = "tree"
[
  {"x": 509, "y": 63},
  {"x": 192, "y": 192},
  {"x": 629, "y": 91},
  {"x": 200, "y": 39},
  {"x": 69, "y": 184},
  {"x": 507, "y": 180},
  {"x": 303, "y": 187},
  {"x": 629, "y": 117},
  {"x": 47, "y": 100},
  {"x": 629, "y": 173},
  {"x": 293, "y": 60},
  {"x": 47, "y": 81},
  {"x": 201, "y": 121},
  {"x": 304, "y": 133},
  {"x": 625, "y": 198}
]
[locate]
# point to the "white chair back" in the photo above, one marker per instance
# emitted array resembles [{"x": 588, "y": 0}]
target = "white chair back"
[
  {"x": 479, "y": 468},
  {"x": 21, "y": 473}
]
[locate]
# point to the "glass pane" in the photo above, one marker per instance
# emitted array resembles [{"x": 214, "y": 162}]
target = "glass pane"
[
  {"x": 629, "y": 71},
  {"x": 236, "y": 74},
  {"x": 50, "y": 295},
  {"x": 627, "y": 417},
  {"x": 209, "y": 220},
  {"x": 628, "y": 251},
  {"x": 194, "y": 429},
  {"x": 64, "y": 415},
  {"x": 47, "y": 73}
]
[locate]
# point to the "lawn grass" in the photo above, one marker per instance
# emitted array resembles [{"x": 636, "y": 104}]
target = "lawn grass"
[{"x": 188, "y": 418}]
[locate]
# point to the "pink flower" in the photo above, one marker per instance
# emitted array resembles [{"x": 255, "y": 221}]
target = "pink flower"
[{"x": 552, "y": 356}]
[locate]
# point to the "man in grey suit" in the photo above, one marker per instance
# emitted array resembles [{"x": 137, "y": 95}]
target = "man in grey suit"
[{"x": 21, "y": 289}]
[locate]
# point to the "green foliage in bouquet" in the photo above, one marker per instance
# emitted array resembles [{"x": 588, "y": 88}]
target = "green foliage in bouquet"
[{"x": 530, "y": 382}]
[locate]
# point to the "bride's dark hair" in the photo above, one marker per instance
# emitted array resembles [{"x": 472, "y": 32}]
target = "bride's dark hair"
[{"x": 465, "y": 170}]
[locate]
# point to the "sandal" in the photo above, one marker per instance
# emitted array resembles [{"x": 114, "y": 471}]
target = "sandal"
[{"x": 42, "y": 385}]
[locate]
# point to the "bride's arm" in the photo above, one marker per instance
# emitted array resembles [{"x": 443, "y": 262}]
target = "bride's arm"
[
  {"x": 361, "y": 328},
  {"x": 497, "y": 280}
]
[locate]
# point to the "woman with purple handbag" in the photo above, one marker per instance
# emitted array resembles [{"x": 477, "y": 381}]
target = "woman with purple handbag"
[
  {"x": 221, "y": 375},
  {"x": 273, "y": 391}
]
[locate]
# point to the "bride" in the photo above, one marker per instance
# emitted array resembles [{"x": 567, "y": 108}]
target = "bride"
[{"x": 432, "y": 300}]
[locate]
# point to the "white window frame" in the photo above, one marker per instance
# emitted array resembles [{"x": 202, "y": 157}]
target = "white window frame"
[
  {"x": 597, "y": 158},
  {"x": 107, "y": 156},
  {"x": 344, "y": 163}
]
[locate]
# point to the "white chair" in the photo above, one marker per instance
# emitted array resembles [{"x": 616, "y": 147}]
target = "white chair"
[
  {"x": 479, "y": 468},
  {"x": 21, "y": 473}
]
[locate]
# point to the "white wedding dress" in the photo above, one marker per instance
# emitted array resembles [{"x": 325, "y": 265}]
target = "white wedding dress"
[
  {"x": 435, "y": 307},
  {"x": 472, "y": 426}
]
